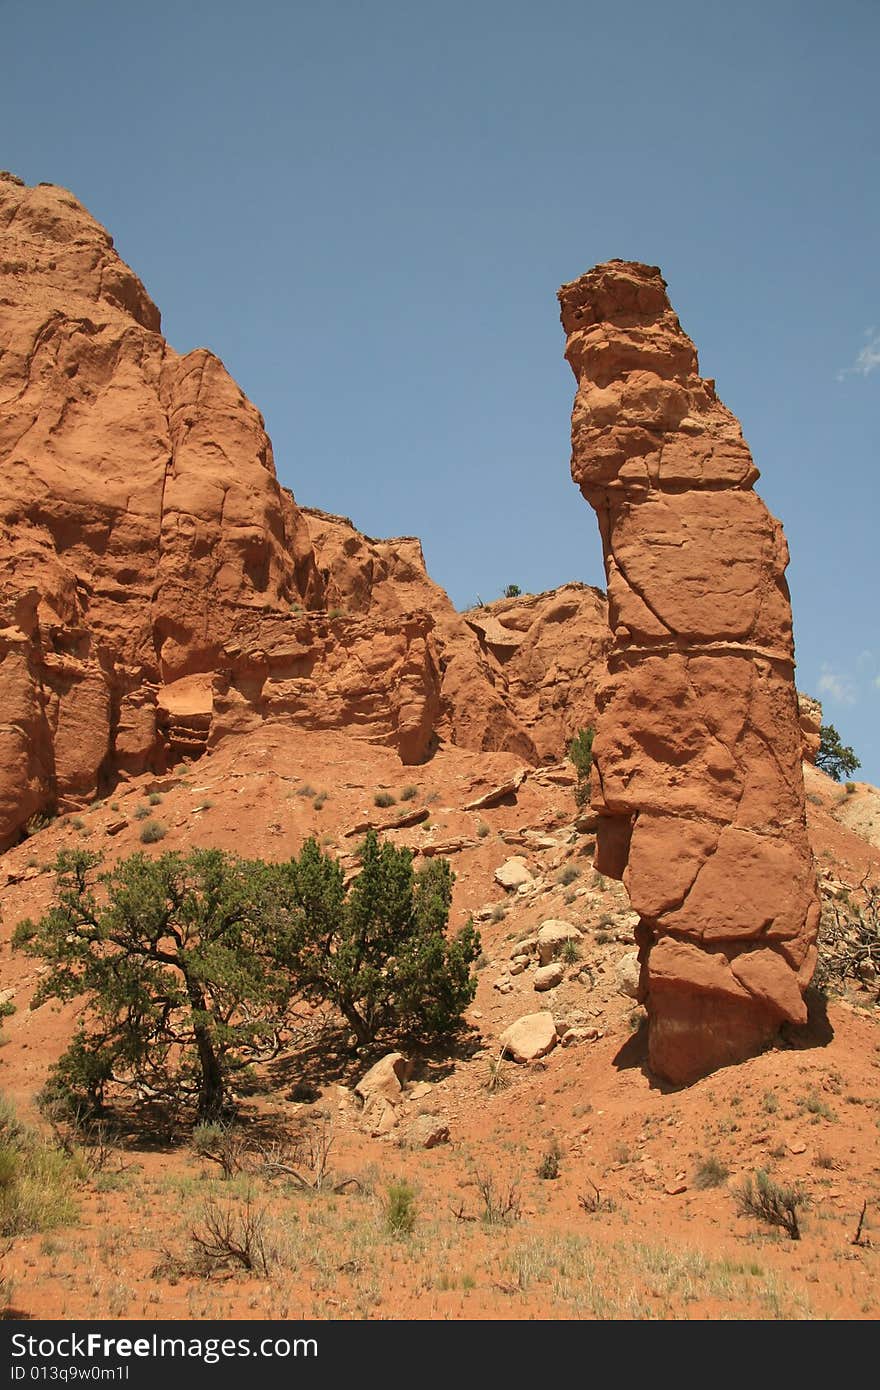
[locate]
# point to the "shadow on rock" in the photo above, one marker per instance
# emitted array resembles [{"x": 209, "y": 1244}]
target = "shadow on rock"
[
  {"x": 817, "y": 1031},
  {"x": 634, "y": 1054}
]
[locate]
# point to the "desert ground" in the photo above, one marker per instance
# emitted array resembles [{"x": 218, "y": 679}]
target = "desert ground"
[{"x": 574, "y": 1186}]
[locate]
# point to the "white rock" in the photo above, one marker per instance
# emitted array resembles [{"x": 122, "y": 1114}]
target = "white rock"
[
  {"x": 626, "y": 921},
  {"x": 549, "y": 976},
  {"x": 524, "y": 947},
  {"x": 628, "y": 971},
  {"x": 386, "y": 1078},
  {"x": 420, "y": 1090},
  {"x": 552, "y": 937},
  {"x": 514, "y": 873},
  {"x": 532, "y": 1036},
  {"x": 575, "y": 1018},
  {"x": 427, "y": 1132},
  {"x": 580, "y": 1035},
  {"x": 379, "y": 1116},
  {"x": 344, "y": 1098}
]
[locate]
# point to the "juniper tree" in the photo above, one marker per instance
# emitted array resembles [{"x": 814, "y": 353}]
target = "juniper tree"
[
  {"x": 176, "y": 958},
  {"x": 580, "y": 752},
  {"x": 834, "y": 757},
  {"x": 378, "y": 950}
]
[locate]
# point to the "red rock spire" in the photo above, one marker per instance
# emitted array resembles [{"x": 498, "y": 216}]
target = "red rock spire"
[{"x": 697, "y": 756}]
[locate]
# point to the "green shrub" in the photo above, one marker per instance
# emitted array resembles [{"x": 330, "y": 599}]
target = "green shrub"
[
  {"x": 711, "y": 1172},
  {"x": 833, "y": 757},
  {"x": 548, "y": 1168},
  {"x": 378, "y": 949},
  {"x": 384, "y": 799},
  {"x": 482, "y": 830},
  {"x": 569, "y": 951},
  {"x": 512, "y": 591},
  {"x": 177, "y": 960},
  {"x": 154, "y": 798},
  {"x": 152, "y": 832},
  {"x": 400, "y": 1209},
  {"x": 770, "y": 1203},
  {"x": 141, "y": 812},
  {"x": 580, "y": 752},
  {"x": 409, "y": 793}
]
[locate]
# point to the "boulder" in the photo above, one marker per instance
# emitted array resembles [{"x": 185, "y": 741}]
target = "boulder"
[
  {"x": 427, "y": 1131},
  {"x": 552, "y": 936},
  {"x": 379, "y": 1116},
  {"x": 419, "y": 1090},
  {"x": 530, "y": 1037},
  {"x": 573, "y": 1036},
  {"x": 628, "y": 973},
  {"x": 549, "y": 976},
  {"x": 499, "y": 793},
  {"x": 514, "y": 873},
  {"x": 524, "y": 947},
  {"x": 386, "y": 1078}
]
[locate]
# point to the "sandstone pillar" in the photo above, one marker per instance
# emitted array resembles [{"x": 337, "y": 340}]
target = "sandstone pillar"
[{"x": 697, "y": 772}]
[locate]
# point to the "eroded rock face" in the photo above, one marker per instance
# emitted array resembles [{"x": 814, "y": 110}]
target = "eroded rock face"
[
  {"x": 517, "y": 675},
  {"x": 160, "y": 590},
  {"x": 145, "y": 541},
  {"x": 697, "y": 770}
]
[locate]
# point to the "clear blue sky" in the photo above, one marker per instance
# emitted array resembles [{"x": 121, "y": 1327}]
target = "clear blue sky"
[{"x": 366, "y": 208}]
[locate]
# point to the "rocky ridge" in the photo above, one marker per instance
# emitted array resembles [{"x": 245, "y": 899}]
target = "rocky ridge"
[{"x": 161, "y": 590}]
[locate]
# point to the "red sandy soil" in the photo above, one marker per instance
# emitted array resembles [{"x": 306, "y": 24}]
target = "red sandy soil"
[{"x": 660, "y": 1245}]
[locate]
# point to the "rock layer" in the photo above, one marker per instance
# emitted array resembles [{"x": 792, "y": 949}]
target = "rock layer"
[{"x": 697, "y": 774}]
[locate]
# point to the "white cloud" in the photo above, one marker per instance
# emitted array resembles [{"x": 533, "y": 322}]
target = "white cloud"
[
  {"x": 837, "y": 685},
  {"x": 867, "y": 358}
]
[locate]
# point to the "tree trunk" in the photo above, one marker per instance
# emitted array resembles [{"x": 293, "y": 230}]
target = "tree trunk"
[
  {"x": 211, "y": 1089},
  {"x": 358, "y": 1026}
]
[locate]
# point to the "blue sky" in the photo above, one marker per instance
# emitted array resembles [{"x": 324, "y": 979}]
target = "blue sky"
[{"x": 366, "y": 210}]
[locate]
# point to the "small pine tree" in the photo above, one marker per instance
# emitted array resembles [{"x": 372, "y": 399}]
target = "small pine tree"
[
  {"x": 833, "y": 757},
  {"x": 378, "y": 950},
  {"x": 512, "y": 591},
  {"x": 580, "y": 752}
]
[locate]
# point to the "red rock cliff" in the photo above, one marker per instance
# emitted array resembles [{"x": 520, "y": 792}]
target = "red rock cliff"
[
  {"x": 697, "y": 756},
  {"x": 160, "y": 591},
  {"x": 146, "y": 547}
]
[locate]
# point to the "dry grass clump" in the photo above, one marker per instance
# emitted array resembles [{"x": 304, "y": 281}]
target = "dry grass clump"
[
  {"x": 37, "y": 1179},
  {"x": 772, "y": 1204}
]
